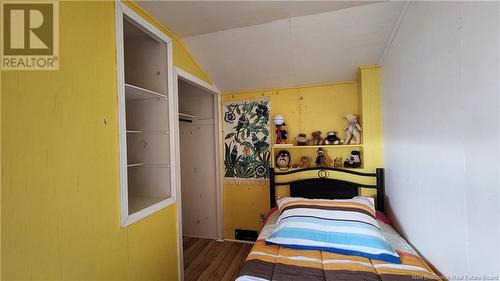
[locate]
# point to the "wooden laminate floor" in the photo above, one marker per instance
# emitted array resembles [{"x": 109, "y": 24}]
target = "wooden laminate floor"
[{"x": 206, "y": 259}]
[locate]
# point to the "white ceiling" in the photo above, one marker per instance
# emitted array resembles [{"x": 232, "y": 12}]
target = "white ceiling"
[
  {"x": 188, "y": 18},
  {"x": 317, "y": 48}
]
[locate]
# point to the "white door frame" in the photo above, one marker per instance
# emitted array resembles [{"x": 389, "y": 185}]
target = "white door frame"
[{"x": 195, "y": 81}]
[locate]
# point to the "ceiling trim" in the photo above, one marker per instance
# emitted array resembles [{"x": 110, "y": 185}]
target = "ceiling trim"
[
  {"x": 292, "y": 87},
  {"x": 394, "y": 31}
]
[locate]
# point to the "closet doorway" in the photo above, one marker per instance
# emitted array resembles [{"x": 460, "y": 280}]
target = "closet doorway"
[{"x": 199, "y": 207}]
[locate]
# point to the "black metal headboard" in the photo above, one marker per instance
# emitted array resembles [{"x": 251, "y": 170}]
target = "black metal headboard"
[{"x": 324, "y": 187}]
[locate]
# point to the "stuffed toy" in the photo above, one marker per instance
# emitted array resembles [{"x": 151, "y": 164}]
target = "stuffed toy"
[
  {"x": 304, "y": 162},
  {"x": 316, "y": 138},
  {"x": 331, "y": 138},
  {"x": 353, "y": 129},
  {"x": 337, "y": 162},
  {"x": 321, "y": 159},
  {"x": 302, "y": 140},
  {"x": 354, "y": 161}
]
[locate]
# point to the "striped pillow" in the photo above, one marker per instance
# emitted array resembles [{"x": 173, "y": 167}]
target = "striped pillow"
[{"x": 346, "y": 227}]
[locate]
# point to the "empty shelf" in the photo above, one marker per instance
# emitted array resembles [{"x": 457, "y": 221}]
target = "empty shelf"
[
  {"x": 137, "y": 93},
  {"x": 137, "y": 203},
  {"x": 185, "y": 115}
]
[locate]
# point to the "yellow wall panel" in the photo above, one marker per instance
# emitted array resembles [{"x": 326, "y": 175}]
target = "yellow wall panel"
[
  {"x": 369, "y": 77},
  {"x": 306, "y": 109},
  {"x": 323, "y": 108},
  {"x": 60, "y": 203},
  {"x": 244, "y": 203}
]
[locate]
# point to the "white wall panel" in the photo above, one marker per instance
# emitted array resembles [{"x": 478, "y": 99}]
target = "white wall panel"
[{"x": 440, "y": 99}]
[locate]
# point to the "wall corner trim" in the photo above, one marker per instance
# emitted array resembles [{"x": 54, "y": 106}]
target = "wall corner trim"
[{"x": 394, "y": 32}]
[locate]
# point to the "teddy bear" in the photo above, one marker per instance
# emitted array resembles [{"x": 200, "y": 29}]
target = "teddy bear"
[
  {"x": 301, "y": 140},
  {"x": 316, "y": 138},
  {"x": 331, "y": 138},
  {"x": 304, "y": 162},
  {"x": 352, "y": 129}
]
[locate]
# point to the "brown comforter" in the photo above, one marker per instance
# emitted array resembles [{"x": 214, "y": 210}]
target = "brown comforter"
[{"x": 271, "y": 262}]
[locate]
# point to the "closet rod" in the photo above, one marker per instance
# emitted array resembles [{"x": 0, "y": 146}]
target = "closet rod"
[{"x": 185, "y": 120}]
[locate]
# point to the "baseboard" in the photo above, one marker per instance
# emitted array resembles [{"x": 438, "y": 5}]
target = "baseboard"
[
  {"x": 199, "y": 236},
  {"x": 239, "y": 241}
]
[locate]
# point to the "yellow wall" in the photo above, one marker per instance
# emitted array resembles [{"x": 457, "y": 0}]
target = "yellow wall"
[
  {"x": 0, "y": 175},
  {"x": 306, "y": 110},
  {"x": 369, "y": 77},
  {"x": 60, "y": 195}
]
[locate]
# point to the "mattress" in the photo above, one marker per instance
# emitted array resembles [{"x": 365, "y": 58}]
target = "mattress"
[{"x": 272, "y": 262}]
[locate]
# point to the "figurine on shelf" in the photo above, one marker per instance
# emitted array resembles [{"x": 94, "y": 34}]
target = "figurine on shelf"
[
  {"x": 279, "y": 121},
  {"x": 316, "y": 138},
  {"x": 331, "y": 138},
  {"x": 284, "y": 133},
  {"x": 337, "y": 162},
  {"x": 354, "y": 161},
  {"x": 301, "y": 140},
  {"x": 283, "y": 160},
  {"x": 304, "y": 162},
  {"x": 321, "y": 159},
  {"x": 353, "y": 129}
]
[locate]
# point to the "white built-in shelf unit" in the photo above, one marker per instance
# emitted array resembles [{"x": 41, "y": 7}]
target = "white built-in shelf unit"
[{"x": 146, "y": 116}]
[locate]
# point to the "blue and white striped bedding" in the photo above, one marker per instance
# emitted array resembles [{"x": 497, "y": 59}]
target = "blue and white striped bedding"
[{"x": 347, "y": 227}]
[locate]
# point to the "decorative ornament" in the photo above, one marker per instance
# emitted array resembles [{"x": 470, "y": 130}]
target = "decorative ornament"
[
  {"x": 283, "y": 159},
  {"x": 284, "y": 133},
  {"x": 337, "y": 162},
  {"x": 353, "y": 129},
  {"x": 279, "y": 120},
  {"x": 304, "y": 162},
  {"x": 331, "y": 138},
  {"x": 354, "y": 161},
  {"x": 321, "y": 159}
]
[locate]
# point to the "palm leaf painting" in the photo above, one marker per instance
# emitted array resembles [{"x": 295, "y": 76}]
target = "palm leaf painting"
[{"x": 246, "y": 140}]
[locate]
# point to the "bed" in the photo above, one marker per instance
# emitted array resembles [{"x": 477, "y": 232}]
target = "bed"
[{"x": 275, "y": 262}]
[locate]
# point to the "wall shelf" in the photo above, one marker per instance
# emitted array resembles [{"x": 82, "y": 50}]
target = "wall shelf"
[
  {"x": 138, "y": 203},
  {"x": 185, "y": 115},
  {"x": 317, "y": 146},
  {"x": 146, "y": 132},
  {"x": 293, "y": 169},
  {"x": 306, "y": 150},
  {"x": 146, "y": 114},
  {"x": 137, "y": 93}
]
